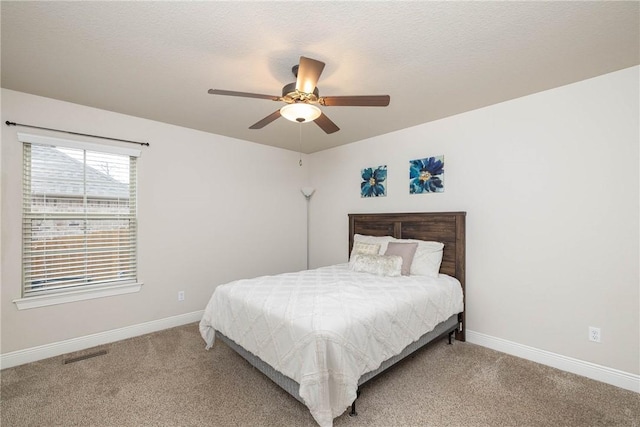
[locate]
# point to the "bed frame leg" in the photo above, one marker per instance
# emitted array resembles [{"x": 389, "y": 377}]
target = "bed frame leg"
[
  {"x": 450, "y": 336},
  {"x": 353, "y": 412}
]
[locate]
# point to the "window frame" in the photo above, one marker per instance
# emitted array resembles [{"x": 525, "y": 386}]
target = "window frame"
[{"x": 86, "y": 290}]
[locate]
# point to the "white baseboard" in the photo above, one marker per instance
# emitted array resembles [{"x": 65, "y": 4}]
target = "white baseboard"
[
  {"x": 33, "y": 354},
  {"x": 587, "y": 369},
  {"x": 575, "y": 366}
]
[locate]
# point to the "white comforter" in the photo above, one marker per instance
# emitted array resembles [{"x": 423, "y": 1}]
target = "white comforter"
[{"x": 324, "y": 328}]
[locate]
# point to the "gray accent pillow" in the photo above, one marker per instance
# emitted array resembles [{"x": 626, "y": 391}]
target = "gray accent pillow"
[{"x": 404, "y": 250}]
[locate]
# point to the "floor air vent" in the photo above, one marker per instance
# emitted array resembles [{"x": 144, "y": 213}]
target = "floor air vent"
[{"x": 85, "y": 356}]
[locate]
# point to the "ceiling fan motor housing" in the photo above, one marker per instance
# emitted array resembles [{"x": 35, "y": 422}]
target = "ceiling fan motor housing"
[{"x": 290, "y": 94}]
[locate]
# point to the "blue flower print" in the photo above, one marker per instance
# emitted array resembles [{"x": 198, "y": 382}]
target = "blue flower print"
[
  {"x": 373, "y": 182},
  {"x": 426, "y": 175}
]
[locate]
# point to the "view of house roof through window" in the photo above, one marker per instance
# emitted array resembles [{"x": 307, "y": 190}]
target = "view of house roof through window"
[{"x": 79, "y": 219}]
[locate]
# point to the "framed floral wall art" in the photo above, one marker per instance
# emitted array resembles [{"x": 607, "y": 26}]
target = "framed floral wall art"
[
  {"x": 426, "y": 175},
  {"x": 374, "y": 182}
]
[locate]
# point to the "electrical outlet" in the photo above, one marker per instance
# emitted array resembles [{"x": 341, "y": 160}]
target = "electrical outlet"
[
  {"x": 594, "y": 334},
  {"x": 181, "y": 296}
]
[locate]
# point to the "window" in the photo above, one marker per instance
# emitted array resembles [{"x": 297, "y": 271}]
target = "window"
[{"x": 79, "y": 223}]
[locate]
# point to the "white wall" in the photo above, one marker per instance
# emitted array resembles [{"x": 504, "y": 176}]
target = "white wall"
[
  {"x": 550, "y": 184},
  {"x": 211, "y": 209}
]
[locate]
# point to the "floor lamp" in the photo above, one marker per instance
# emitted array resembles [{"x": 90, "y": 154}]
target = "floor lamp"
[{"x": 307, "y": 192}]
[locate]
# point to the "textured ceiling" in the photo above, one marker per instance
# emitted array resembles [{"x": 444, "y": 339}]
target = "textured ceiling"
[{"x": 435, "y": 59}]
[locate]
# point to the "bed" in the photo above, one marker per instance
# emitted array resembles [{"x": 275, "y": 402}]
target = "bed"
[{"x": 320, "y": 334}]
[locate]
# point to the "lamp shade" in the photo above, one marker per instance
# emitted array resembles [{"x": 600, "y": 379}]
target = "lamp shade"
[
  {"x": 300, "y": 112},
  {"x": 308, "y": 191}
]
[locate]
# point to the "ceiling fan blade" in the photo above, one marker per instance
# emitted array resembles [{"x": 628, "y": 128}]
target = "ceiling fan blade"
[
  {"x": 243, "y": 94},
  {"x": 326, "y": 124},
  {"x": 262, "y": 123},
  {"x": 309, "y": 71},
  {"x": 356, "y": 101}
]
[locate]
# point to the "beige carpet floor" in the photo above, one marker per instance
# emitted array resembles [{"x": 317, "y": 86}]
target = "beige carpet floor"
[{"x": 168, "y": 379}]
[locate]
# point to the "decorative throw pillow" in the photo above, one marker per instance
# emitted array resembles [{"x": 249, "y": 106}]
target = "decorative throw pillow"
[
  {"x": 364, "y": 248},
  {"x": 380, "y": 240},
  {"x": 427, "y": 259},
  {"x": 406, "y": 251},
  {"x": 380, "y": 265}
]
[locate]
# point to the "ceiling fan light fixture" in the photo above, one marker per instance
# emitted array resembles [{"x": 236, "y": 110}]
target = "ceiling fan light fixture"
[{"x": 300, "y": 112}]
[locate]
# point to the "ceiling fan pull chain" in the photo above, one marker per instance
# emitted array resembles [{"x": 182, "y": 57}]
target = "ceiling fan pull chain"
[{"x": 300, "y": 139}]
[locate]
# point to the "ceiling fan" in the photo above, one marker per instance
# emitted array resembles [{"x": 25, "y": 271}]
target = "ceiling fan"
[{"x": 302, "y": 98}]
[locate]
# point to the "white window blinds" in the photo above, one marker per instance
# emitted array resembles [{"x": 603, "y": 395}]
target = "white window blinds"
[{"x": 79, "y": 216}]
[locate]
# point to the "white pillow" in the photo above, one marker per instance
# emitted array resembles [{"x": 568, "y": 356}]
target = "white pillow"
[
  {"x": 427, "y": 259},
  {"x": 380, "y": 265},
  {"x": 383, "y": 241}
]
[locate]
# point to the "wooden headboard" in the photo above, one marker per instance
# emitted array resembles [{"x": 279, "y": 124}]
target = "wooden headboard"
[{"x": 445, "y": 227}]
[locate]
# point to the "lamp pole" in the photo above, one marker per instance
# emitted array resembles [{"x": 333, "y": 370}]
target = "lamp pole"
[{"x": 307, "y": 192}]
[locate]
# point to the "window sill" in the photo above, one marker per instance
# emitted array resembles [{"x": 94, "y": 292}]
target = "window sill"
[{"x": 80, "y": 295}]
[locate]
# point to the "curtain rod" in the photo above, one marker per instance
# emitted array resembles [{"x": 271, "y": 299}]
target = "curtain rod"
[{"x": 8, "y": 123}]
